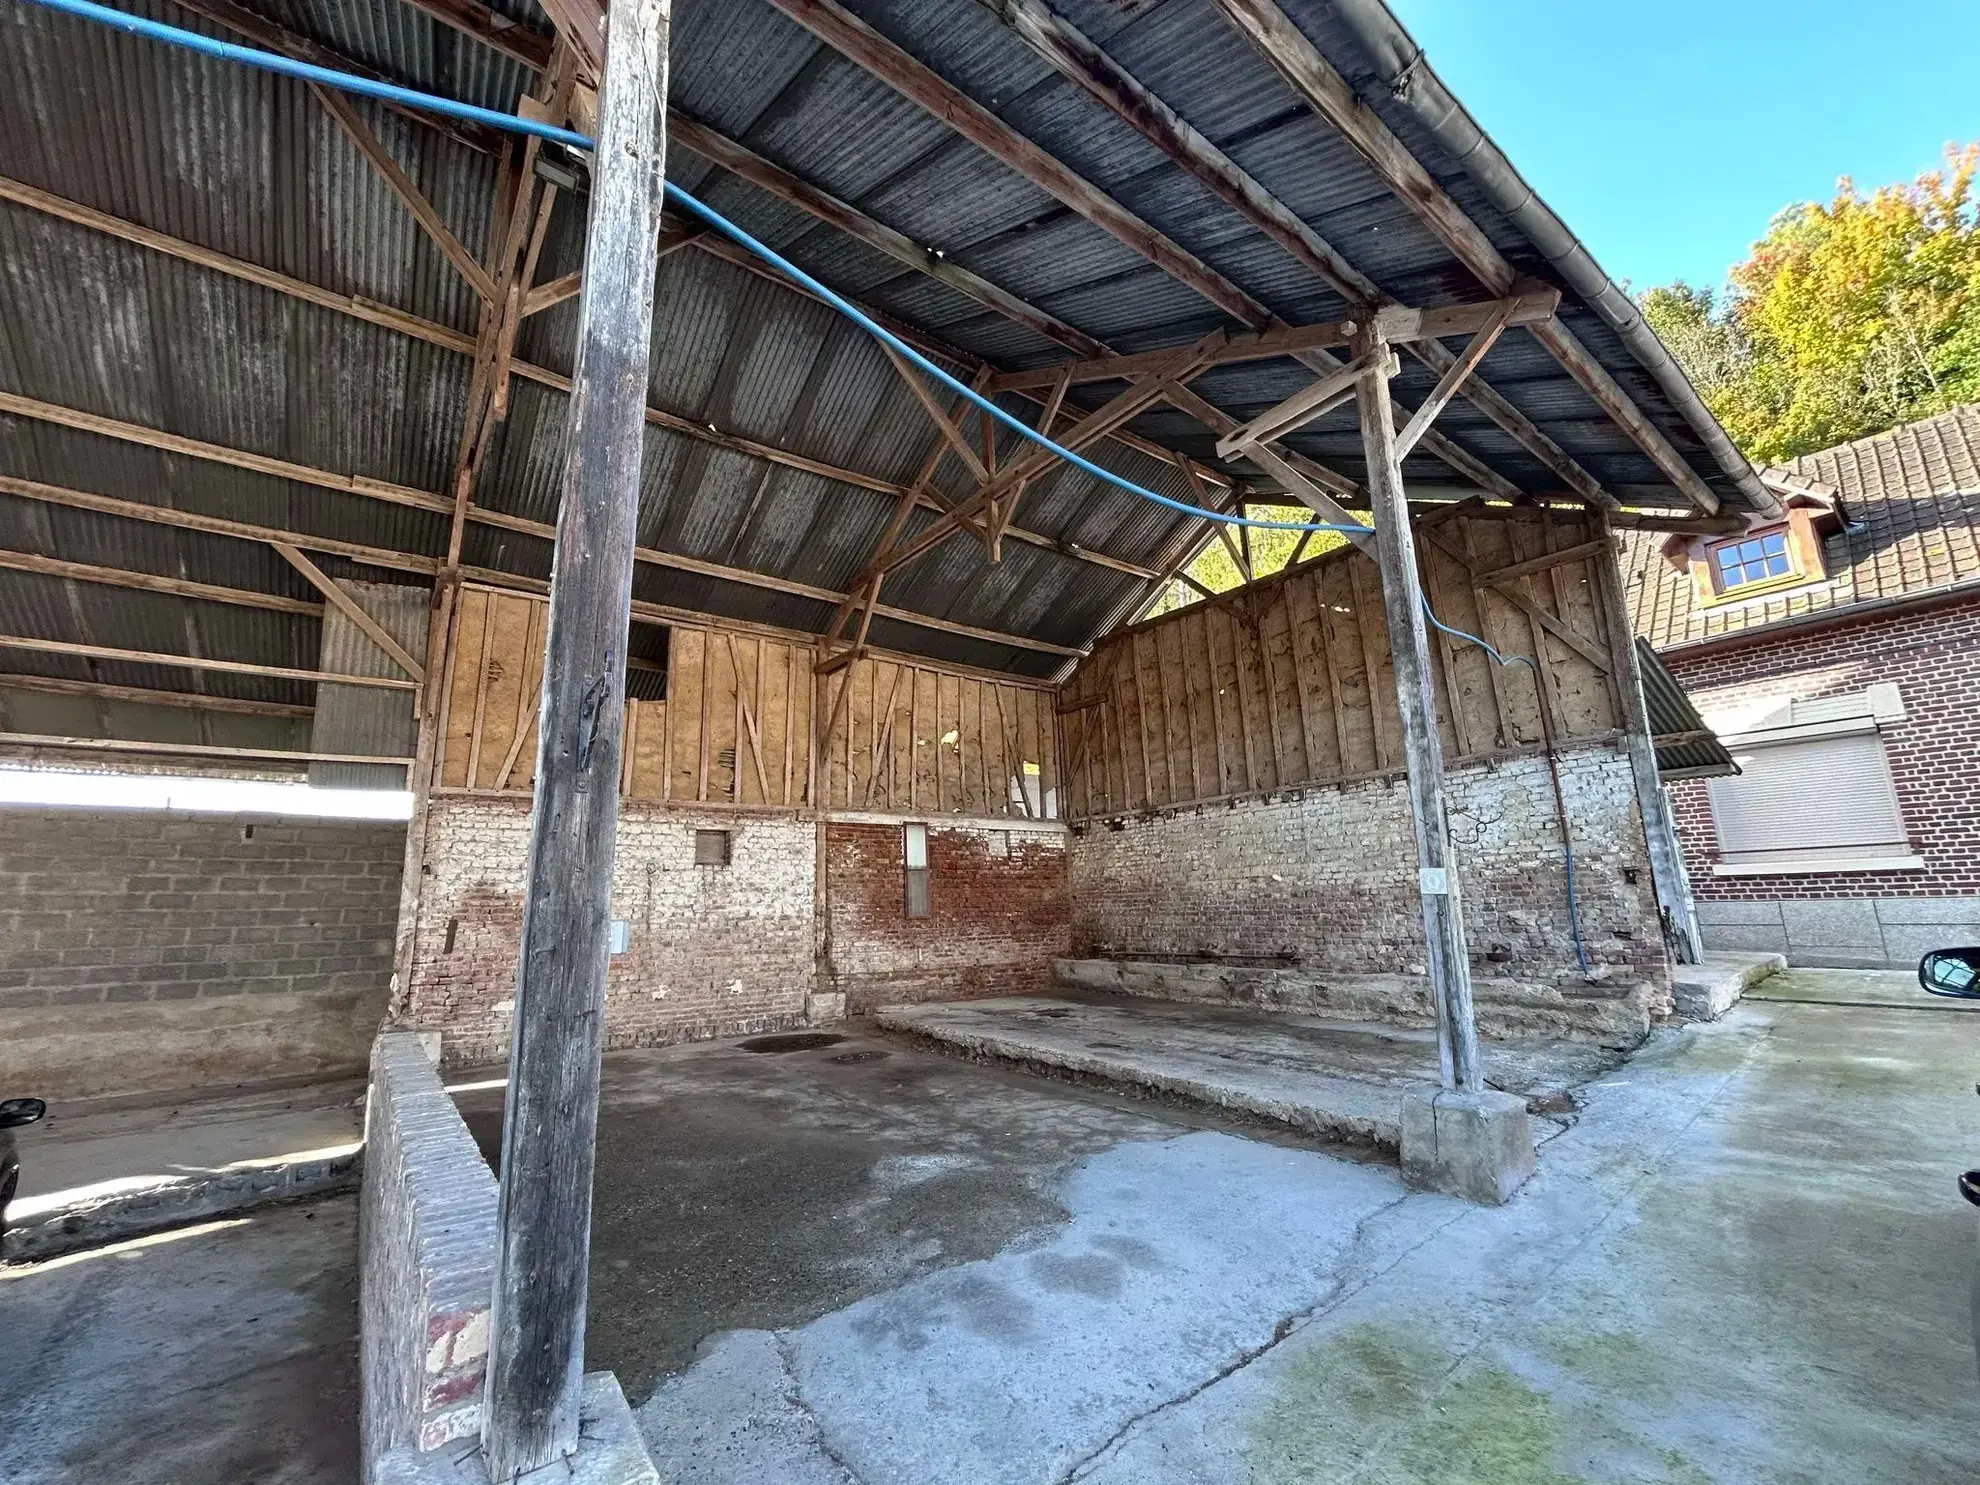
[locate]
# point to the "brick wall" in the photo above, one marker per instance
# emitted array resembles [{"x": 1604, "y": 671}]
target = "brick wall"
[
  {"x": 1327, "y": 882},
  {"x": 146, "y": 949},
  {"x": 1932, "y": 655},
  {"x": 999, "y": 912},
  {"x": 713, "y": 950},
  {"x": 426, "y": 1244}
]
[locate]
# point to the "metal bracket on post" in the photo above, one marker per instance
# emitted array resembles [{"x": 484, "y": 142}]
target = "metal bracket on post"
[{"x": 1446, "y": 958}]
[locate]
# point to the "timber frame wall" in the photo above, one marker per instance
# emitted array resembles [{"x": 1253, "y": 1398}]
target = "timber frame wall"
[
  {"x": 737, "y": 726},
  {"x": 1288, "y": 682}
]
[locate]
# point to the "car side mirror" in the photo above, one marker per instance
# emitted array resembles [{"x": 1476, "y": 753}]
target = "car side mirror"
[
  {"x": 15, "y": 1112},
  {"x": 1951, "y": 972}
]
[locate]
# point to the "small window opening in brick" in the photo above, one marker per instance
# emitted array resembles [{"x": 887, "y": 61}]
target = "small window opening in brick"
[
  {"x": 247, "y": 832},
  {"x": 711, "y": 848},
  {"x": 914, "y": 862},
  {"x": 1000, "y": 843},
  {"x": 453, "y": 932}
]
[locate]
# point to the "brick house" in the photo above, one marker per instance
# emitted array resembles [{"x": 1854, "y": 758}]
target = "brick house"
[{"x": 1835, "y": 650}]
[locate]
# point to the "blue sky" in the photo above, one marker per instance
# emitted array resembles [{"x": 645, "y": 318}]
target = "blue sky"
[{"x": 1667, "y": 135}]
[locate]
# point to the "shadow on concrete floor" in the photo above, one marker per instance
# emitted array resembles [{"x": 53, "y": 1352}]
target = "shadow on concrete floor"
[{"x": 219, "y": 1354}]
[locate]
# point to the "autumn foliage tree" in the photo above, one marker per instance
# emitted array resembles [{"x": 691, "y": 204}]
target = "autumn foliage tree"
[{"x": 1848, "y": 318}]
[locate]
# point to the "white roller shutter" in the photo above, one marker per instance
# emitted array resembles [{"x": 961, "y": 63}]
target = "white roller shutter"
[{"x": 1827, "y": 799}]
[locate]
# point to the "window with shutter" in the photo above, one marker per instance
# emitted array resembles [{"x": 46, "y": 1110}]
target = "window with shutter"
[{"x": 1810, "y": 804}]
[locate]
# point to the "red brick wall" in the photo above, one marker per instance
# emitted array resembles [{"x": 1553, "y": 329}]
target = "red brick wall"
[
  {"x": 1933, "y": 656},
  {"x": 995, "y": 921}
]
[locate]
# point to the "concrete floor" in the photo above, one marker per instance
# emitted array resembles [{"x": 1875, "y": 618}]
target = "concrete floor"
[
  {"x": 1742, "y": 1261},
  {"x": 220, "y": 1354}
]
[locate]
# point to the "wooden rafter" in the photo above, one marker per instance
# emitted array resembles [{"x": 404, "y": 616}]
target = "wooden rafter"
[
  {"x": 193, "y": 750},
  {"x": 426, "y": 500},
  {"x": 1313, "y": 79},
  {"x": 1450, "y": 384}
]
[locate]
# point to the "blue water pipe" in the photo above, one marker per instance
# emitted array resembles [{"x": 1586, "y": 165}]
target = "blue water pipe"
[{"x": 350, "y": 82}]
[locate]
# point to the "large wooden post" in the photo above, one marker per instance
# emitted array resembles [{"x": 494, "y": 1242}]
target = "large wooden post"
[
  {"x": 1409, "y": 648},
  {"x": 536, "y": 1344}
]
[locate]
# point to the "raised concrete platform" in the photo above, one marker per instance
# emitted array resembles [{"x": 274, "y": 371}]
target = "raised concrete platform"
[
  {"x": 1706, "y": 991},
  {"x": 1338, "y": 1080},
  {"x": 102, "y": 1170}
]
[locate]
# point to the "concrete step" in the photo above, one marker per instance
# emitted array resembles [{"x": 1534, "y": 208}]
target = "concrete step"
[
  {"x": 1337, "y": 1080},
  {"x": 1704, "y": 992}
]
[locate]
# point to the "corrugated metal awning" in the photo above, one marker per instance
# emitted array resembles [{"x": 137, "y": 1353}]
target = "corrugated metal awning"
[{"x": 1686, "y": 747}]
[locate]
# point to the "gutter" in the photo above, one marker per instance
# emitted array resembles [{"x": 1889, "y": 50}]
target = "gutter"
[{"x": 1411, "y": 82}]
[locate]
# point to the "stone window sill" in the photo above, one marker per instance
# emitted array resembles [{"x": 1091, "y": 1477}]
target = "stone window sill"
[{"x": 1822, "y": 867}]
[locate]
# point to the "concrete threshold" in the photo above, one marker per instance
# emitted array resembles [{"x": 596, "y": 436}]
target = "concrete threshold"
[
  {"x": 104, "y": 1170},
  {"x": 1336, "y": 1080}
]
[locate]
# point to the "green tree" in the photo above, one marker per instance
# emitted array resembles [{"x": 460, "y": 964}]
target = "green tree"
[
  {"x": 1848, "y": 317},
  {"x": 1269, "y": 551}
]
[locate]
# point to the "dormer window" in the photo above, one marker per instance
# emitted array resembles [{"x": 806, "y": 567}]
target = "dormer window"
[
  {"x": 1752, "y": 559},
  {"x": 1764, "y": 562}
]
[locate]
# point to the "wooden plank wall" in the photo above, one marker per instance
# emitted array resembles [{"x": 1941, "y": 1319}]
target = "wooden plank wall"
[
  {"x": 736, "y": 727},
  {"x": 1288, "y": 680},
  {"x": 912, "y": 739}
]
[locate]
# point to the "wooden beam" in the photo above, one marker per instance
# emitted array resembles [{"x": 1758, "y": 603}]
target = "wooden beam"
[
  {"x": 1580, "y": 643},
  {"x": 194, "y": 662},
  {"x": 196, "y": 448},
  {"x": 123, "y": 577},
  {"x": 951, "y": 434},
  {"x": 492, "y": 29},
  {"x": 536, "y": 1324},
  {"x": 196, "y": 750},
  {"x": 376, "y": 632},
  {"x": 145, "y": 696},
  {"x": 424, "y": 212},
  {"x": 793, "y": 190},
  {"x": 165, "y": 515},
  {"x": 1286, "y": 340},
  {"x": 867, "y": 48},
  {"x": 1447, "y": 959},
  {"x": 1303, "y": 407},
  {"x": 1448, "y": 386},
  {"x": 385, "y": 317},
  {"x": 1081, "y": 60},
  {"x": 1542, "y": 563},
  {"x": 1312, "y": 78}
]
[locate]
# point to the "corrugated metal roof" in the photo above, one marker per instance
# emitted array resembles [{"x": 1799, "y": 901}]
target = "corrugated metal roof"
[
  {"x": 1672, "y": 715},
  {"x": 247, "y": 164}
]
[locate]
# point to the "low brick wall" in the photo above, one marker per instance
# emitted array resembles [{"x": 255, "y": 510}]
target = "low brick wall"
[
  {"x": 426, "y": 1239},
  {"x": 1323, "y": 885}
]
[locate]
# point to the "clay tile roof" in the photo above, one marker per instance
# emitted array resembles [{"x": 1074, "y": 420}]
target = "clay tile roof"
[{"x": 1910, "y": 501}]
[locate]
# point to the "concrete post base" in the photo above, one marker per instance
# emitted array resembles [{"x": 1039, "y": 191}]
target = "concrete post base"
[
  {"x": 610, "y": 1451},
  {"x": 1475, "y": 1145}
]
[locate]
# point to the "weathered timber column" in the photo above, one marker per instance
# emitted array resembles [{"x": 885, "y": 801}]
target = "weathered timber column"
[
  {"x": 536, "y": 1343},
  {"x": 1667, "y": 873},
  {"x": 1409, "y": 648}
]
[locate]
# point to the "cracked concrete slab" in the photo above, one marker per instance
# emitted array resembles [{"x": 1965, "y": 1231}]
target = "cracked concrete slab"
[{"x": 1743, "y": 1263}]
